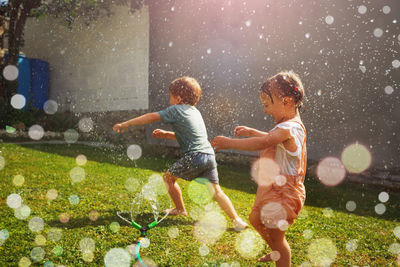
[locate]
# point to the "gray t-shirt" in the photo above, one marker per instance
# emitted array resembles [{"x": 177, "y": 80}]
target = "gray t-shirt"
[{"x": 188, "y": 125}]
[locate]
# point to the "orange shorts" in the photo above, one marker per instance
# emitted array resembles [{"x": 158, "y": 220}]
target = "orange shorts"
[{"x": 280, "y": 205}]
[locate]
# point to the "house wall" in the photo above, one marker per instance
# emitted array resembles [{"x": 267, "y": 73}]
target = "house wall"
[
  {"x": 95, "y": 68},
  {"x": 231, "y": 47}
]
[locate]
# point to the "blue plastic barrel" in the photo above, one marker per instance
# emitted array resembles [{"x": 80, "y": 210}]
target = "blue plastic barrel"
[
  {"x": 40, "y": 74},
  {"x": 24, "y": 78}
]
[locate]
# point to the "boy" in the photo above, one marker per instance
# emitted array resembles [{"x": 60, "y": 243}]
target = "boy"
[{"x": 190, "y": 132}]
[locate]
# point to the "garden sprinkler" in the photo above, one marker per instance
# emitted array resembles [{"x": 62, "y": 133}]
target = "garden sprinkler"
[{"x": 143, "y": 231}]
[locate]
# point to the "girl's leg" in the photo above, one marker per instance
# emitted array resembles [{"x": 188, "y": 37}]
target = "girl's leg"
[
  {"x": 225, "y": 203},
  {"x": 275, "y": 239},
  {"x": 176, "y": 194}
]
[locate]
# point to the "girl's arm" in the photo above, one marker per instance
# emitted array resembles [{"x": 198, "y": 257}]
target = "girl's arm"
[
  {"x": 144, "y": 119},
  {"x": 247, "y": 131},
  {"x": 272, "y": 138},
  {"x": 158, "y": 133}
]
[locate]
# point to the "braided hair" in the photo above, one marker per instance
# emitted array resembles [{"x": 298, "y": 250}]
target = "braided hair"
[{"x": 288, "y": 84}]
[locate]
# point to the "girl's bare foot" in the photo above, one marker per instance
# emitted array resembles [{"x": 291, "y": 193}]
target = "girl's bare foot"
[
  {"x": 265, "y": 258},
  {"x": 175, "y": 211}
]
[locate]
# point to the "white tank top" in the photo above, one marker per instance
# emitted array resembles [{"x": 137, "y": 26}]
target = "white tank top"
[{"x": 289, "y": 161}]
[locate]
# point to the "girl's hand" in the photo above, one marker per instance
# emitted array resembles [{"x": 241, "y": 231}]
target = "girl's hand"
[
  {"x": 158, "y": 133},
  {"x": 242, "y": 131},
  {"x": 220, "y": 142},
  {"x": 120, "y": 127}
]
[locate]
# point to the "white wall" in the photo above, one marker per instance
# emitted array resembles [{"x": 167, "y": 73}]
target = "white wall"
[{"x": 100, "y": 67}]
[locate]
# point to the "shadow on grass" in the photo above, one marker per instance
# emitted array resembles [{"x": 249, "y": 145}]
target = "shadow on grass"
[{"x": 238, "y": 178}]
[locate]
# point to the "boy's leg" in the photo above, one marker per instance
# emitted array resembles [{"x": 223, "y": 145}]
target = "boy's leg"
[
  {"x": 225, "y": 203},
  {"x": 176, "y": 194}
]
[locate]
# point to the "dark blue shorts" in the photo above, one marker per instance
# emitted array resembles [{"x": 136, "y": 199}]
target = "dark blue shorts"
[{"x": 196, "y": 165}]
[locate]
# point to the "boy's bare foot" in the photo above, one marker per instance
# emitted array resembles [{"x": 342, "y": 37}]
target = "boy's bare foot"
[
  {"x": 175, "y": 211},
  {"x": 265, "y": 258},
  {"x": 239, "y": 224}
]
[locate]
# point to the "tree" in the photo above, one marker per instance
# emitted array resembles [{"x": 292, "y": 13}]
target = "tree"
[{"x": 14, "y": 14}]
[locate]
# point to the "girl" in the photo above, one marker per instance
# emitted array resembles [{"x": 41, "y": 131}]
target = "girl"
[{"x": 281, "y": 168}]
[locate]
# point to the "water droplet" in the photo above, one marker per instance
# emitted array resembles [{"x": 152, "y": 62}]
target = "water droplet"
[{"x": 329, "y": 20}]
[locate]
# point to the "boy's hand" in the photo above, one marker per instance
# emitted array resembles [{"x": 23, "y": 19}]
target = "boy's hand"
[
  {"x": 120, "y": 127},
  {"x": 158, "y": 133},
  {"x": 242, "y": 131},
  {"x": 220, "y": 142}
]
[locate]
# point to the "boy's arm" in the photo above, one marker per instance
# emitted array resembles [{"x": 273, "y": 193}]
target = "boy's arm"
[
  {"x": 158, "y": 133},
  {"x": 144, "y": 119},
  {"x": 272, "y": 138}
]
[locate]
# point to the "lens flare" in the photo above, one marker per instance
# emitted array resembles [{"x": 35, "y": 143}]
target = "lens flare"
[
  {"x": 198, "y": 192},
  {"x": 272, "y": 214},
  {"x": 132, "y": 184},
  {"x": 394, "y": 248},
  {"x": 362, "y": 9},
  {"x": 356, "y": 158},
  {"x": 383, "y": 197},
  {"x": 396, "y": 231},
  {"x": 210, "y": 227},
  {"x": 77, "y": 174},
  {"x": 264, "y": 171},
  {"x": 36, "y": 132},
  {"x": 308, "y": 234},
  {"x": 54, "y": 234},
  {"x": 386, "y": 9},
  {"x": 203, "y": 250},
  {"x": 352, "y": 245},
  {"x": 71, "y": 136},
  {"x": 36, "y": 224},
  {"x": 322, "y": 252},
  {"x": 329, "y": 20},
  {"x": 173, "y": 232},
  {"x": 85, "y": 125},
  {"x": 57, "y": 250},
  {"x": 64, "y": 217},
  {"x": 134, "y": 152},
  {"x": 73, "y": 199},
  {"x": 50, "y": 107},
  {"x": 2, "y": 163},
  {"x": 10, "y": 72},
  {"x": 4, "y": 234},
  {"x": 88, "y": 256},
  {"x": 328, "y": 212},
  {"x": 51, "y": 194},
  {"x": 87, "y": 245},
  {"x": 18, "y": 180},
  {"x": 389, "y": 90},
  {"x": 330, "y": 171},
  {"x": 94, "y": 215},
  {"x": 37, "y": 254},
  {"x": 81, "y": 160},
  {"x": 24, "y": 262},
  {"x": 351, "y": 206},
  {"x": 249, "y": 244},
  {"x": 40, "y": 240},
  {"x": 114, "y": 227},
  {"x": 380, "y": 209},
  {"x": 378, "y": 32},
  {"x": 14, "y": 201},
  {"x": 22, "y": 212}
]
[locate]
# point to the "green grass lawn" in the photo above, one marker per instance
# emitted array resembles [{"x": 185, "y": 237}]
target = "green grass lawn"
[{"x": 324, "y": 225}]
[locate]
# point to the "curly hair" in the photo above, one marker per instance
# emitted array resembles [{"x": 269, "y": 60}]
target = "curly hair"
[{"x": 187, "y": 88}]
